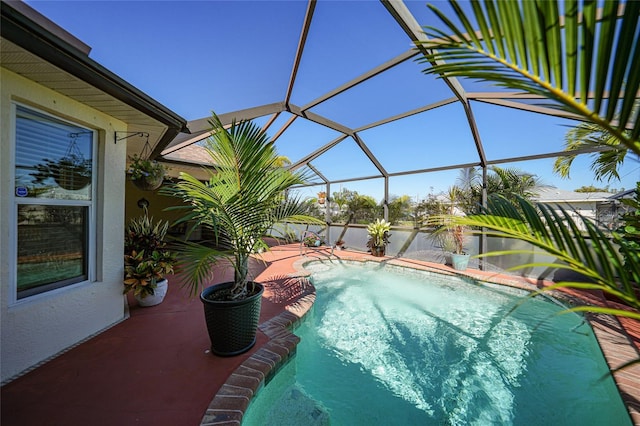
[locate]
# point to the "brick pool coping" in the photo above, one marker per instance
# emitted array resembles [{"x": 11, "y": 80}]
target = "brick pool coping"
[{"x": 233, "y": 398}]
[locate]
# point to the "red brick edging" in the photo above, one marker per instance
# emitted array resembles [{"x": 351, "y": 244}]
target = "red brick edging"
[{"x": 233, "y": 398}]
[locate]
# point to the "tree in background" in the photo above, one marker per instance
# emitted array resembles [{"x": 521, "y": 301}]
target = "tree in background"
[
  {"x": 508, "y": 182},
  {"x": 592, "y": 188},
  {"x": 400, "y": 209}
]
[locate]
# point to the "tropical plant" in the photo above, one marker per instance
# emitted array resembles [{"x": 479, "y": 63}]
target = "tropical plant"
[
  {"x": 147, "y": 259},
  {"x": 629, "y": 231},
  {"x": 509, "y": 182},
  {"x": 312, "y": 240},
  {"x": 555, "y": 231},
  {"x": 241, "y": 201},
  {"x": 591, "y": 136},
  {"x": 378, "y": 232},
  {"x": 578, "y": 64},
  {"x": 143, "y": 270}
]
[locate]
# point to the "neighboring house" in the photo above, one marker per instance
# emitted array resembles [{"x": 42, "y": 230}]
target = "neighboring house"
[
  {"x": 592, "y": 205},
  {"x": 66, "y": 127}
]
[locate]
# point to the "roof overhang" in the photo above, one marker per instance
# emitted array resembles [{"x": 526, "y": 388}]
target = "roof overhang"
[{"x": 37, "y": 49}]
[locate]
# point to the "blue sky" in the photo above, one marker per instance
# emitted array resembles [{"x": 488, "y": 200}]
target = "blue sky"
[{"x": 201, "y": 56}]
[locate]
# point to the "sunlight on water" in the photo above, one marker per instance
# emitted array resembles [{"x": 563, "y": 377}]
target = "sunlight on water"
[
  {"x": 382, "y": 341},
  {"x": 472, "y": 335}
]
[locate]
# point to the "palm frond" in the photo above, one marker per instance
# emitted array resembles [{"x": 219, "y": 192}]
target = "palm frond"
[
  {"x": 556, "y": 231},
  {"x": 527, "y": 47},
  {"x": 241, "y": 200}
]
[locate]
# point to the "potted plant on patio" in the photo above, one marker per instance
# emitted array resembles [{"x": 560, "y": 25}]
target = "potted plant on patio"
[
  {"x": 312, "y": 240},
  {"x": 378, "y": 237},
  {"x": 147, "y": 260},
  {"x": 459, "y": 258},
  {"x": 146, "y": 174},
  {"x": 242, "y": 200}
]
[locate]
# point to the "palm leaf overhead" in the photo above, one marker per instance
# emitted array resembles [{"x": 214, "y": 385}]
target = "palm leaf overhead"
[
  {"x": 242, "y": 199},
  {"x": 557, "y": 232},
  {"x": 581, "y": 59}
]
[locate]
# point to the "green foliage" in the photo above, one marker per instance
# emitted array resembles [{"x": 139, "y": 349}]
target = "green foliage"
[
  {"x": 589, "y": 136},
  {"x": 140, "y": 168},
  {"x": 557, "y": 233},
  {"x": 312, "y": 240},
  {"x": 399, "y": 209},
  {"x": 629, "y": 231},
  {"x": 578, "y": 64},
  {"x": 509, "y": 182},
  {"x": 429, "y": 206},
  {"x": 591, "y": 188},
  {"x": 378, "y": 233},
  {"x": 146, "y": 258},
  {"x": 241, "y": 201},
  {"x": 144, "y": 269}
]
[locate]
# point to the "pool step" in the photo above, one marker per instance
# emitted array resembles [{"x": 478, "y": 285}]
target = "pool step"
[{"x": 295, "y": 407}]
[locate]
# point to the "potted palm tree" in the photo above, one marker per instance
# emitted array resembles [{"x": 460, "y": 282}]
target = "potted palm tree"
[
  {"x": 378, "y": 237},
  {"x": 147, "y": 260},
  {"x": 244, "y": 197}
]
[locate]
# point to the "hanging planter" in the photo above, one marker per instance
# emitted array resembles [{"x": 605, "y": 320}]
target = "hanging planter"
[{"x": 146, "y": 174}]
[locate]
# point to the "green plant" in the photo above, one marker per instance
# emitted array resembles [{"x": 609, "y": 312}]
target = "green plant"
[
  {"x": 378, "y": 233},
  {"x": 147, "y": 260},
  {"x": 240, "y": 202},
  {"x": 143, "y": 168},
  {"x": 143, "y": 270},
  {"x": 557, "y": 233},
  {"x": 629, "y": 231},
  {"x": 578, "y": 64},
  {"x": 312, "y": 240}
]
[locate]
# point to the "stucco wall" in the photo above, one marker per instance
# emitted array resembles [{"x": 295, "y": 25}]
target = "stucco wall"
[{"x": 38, "y": 327}]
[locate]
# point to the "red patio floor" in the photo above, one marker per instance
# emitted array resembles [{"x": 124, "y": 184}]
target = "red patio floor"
[{"x": 155, "y": 369}]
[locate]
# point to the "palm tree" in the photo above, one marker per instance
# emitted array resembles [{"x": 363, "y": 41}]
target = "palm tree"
[
  {"x": 243, "y": 198},
  {"x": 574, "y": 64},
  {"x": 588, "y": 135},
  {"x": 509, "y": 182},
  {"x": 578, "y": 64}
]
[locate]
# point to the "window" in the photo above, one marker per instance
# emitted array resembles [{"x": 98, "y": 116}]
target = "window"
[{"x": 54, "y": 202}]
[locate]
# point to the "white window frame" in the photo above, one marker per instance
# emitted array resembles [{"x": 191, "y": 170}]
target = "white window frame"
[{"x": 15, "y": 201}]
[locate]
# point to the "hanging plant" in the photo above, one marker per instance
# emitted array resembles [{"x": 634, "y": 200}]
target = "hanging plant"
[{"x": 146, "y": 174}]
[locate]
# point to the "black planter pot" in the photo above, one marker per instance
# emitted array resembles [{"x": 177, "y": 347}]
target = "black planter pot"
[
  {"x": 378, "y": 251},
  {"x": 231, "y": 325}
]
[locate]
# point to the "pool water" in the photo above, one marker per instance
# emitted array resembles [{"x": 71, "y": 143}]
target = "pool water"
[{"x": 389, "y": 345}]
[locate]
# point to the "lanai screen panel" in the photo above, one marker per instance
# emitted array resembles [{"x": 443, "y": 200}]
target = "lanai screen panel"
[
  {"x": 398, "y": 90},
  {"x": 346, "y": 39},
  {"x": 302, "y": 137},
  {"x": 434, "y": 138}
]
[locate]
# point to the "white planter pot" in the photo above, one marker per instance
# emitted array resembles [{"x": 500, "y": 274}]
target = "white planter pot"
[{"x": 158, "y": 295}]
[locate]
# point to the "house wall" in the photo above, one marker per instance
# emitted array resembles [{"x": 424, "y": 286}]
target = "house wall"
[{"x": 38, "y": 327}]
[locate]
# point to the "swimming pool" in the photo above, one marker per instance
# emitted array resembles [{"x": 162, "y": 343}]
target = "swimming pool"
[{"x": 390, "y": 345}]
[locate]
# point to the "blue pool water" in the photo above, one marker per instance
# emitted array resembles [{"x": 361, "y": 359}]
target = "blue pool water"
[{"x": 392, "y": 346}]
